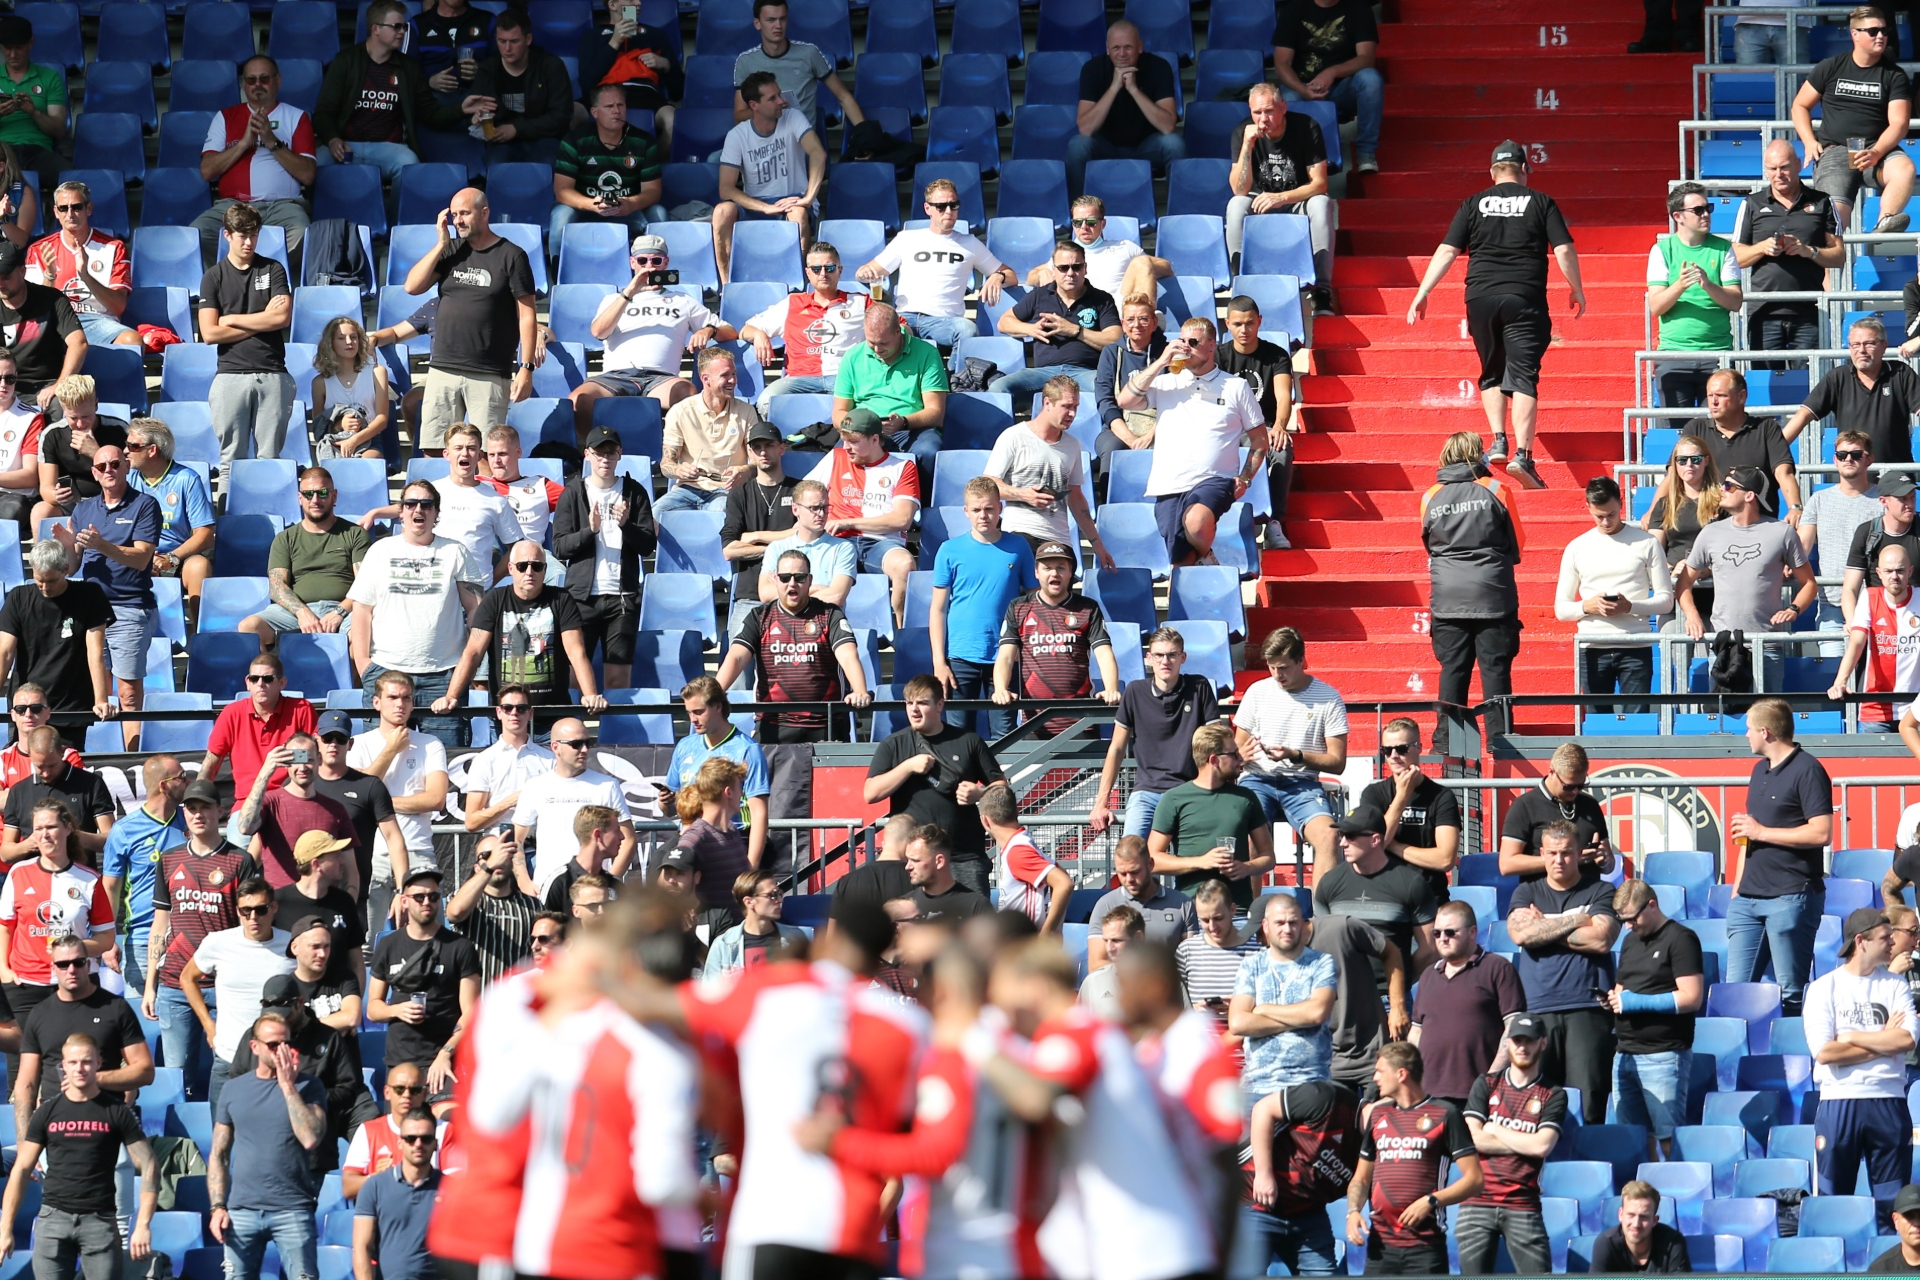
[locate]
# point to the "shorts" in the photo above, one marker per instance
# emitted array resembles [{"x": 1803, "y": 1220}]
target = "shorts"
[
  {"x": 611, "y": 623},
  {"x": 1511, "y": 334},
  {"x": 872, "y": 552},
  {"x": 1298, "y": 799},
  {"x": 282, "y": 619},
  {"x": 1837, "y": 178},
  {"x": 744, "y": 214},
  {"x": 633, "y": 382},
  {"x": 129, "y": 636},
  {"x": 447, "y": 398},
  {"x": 1215, "y": 493},
  {"x": 102, "y": 330}
]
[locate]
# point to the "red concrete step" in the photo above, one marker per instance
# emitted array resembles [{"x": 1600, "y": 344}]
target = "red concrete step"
[
  {"x": 1387, "y": 333},
  {"x": 1403, "y": 504},
  {"x": 1513, "y": 14},
  {"x": 1426, "y": 68},
  {"x": 1546, "y": 159},
  {"x": 1420, "y": 240},
  {"x": 1458, "y": 184},
  {"x": 1543, "y": 127},
  {"x": 1533, "y": 40},
  {"x": 1329, "y": 622},
  {"x": 1369, "y": 214},
  {"x": 1316, "y": 450},
  {"x": 1506, "y": 101},
  {"x": 1434, "y": 391},
  {"x": 1371, "y": 416},
  {"x": 1370, "y": 313},
  {"x": 1446, "y": 357}
]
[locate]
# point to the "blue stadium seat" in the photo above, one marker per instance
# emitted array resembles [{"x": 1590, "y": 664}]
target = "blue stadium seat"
[
  {"x": 260, "y": 485},
  {"x": 1184, "y": 297},
  {"x": 1053, "y": 79},
  {"x": 173, "y": 198},
  {"x": 1721, "y": 1146},
  {"x": 637, "y": 420},
  {"x": 167, "y": 257},
  {"x": 111, "y": 139},
  {"x": 217, "y": 661},
  {"x": 1125, "y": 595},
  {"x": 1041, "y": 131},
  {"x": 1757, "y": 1002},
  {"x": 679, "y": 601},
  {"x": 1034, "y": 189},
  {"x": 993, "y": 26},
  {"x": 1870, "y": 865},
  {"x": 1754, "y": 1220},
  {"x": 634, "y": 730},
  {"x": 1196, "y": 245},
  {"x": 795, "y": 412},
  {"x": 690, "y": 543},
  {"x": 1207, "y": 591},
  {"x": 1757, "y": 1177},
  {"x": 120, "y": 374},
  {"x": 1221, "y": 72},
  {"x": 1128, "y": 653},
  {"x": 1129, "y": 530},
  {"x": 1127, "y": 477},
  {"x": 121, "y": 86},
  {"x": 906, "y": 26},
  {"x": 869, "y": 605},
  {"x": 1845, "y": 895},
  {"x": 895, "y": 122},
  {"x": 950, "y": 480},
  {"x": 1073, "y": 24},
  {"x": 965, "y": 133},
  {"x": 361, "y": 485},
  {"x": 1586, "y": 1182},
  {"x": 109, "y": 200},
  {"x": 1689, "y": 1182},
  {"x": 976, "y": 80},
  {"x": 1208, "y": 650},
  {"x": 666, "y": 659},
  {"x": 1327, "y": 116},
  {"x": 1021, "y": 243},
  {"x": 761, "y": 251},
  {"x": 193, "y": 438},
  {"x": 1623, "y": 1146},
  {"x": 218, "y": 33},
  {"x": 596, "y": 253},
  {"x": 1755, "y": 1111},
  {"x": 940, "y": 524},
  {"x": 182, "y": 135},
  {"x": 827, "y": 25},
  {"x": 422, "y": 191},
  {"x": 1166, "y": 28},
  {"x": 1847, "y": 1218},
  {"x": 725, "y": 27},
  {"x": 169, "y": 308},
  {"x": 1209, "y": 129},
  {"x": 559, "y": 24},
  {"x": 315, "y": 304},
  {"x": 405, "y": 246},
  {"x": 351, "y": 191},
  {"x": 965, "y": 176},
  {"x": 521, "y": 191},
  {"x": 987, "y": 314},
  {"x": 975, "y": 419},
  {"x": 1692, "y": 871},
  {"x": 133, "y": 33},
  {"x": 682, "y": 182},
  {"x": 1730, "y": 158},
  {"x": 888, "y": 80},
  {"x": 709, "y": 82},
  {"x": 1723, "y": 1254},
  {"x": 173, "y": 1231},
  {"x": 1806, "y": 1255},
  {"x": 304, "y": 29},
  {"x": 864, "y": 189},
  {"x": 698, "y": 133},
  {"x": 315, "y": 661},
  {"x": 1126, "y": 186},
  {"x": 1790, "y": 1074},
  {"x": 742, "y": 300},
  {"x": 56, "y": 33},
  {"x": 1277, "y": 245},
  {"x": 1281, "y": 320},
  {"x": 859, "y": 240},
  {"x": 224, "y": 601}
]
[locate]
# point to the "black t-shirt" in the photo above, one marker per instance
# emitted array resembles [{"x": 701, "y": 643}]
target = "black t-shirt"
[
  {"x": 1556, "y": 977},
  {"x": 337, "y": 908},
  {"x": 961, "y": 757},
  {"x": 1758, "y": 443},
  {"x": 82, "y": 790},
  {"x": 76, "y": 468},
  {"x": 37, "y": 334},
  {"x": 1864, "y": 554},
  {"x": 1264, "y": 368},
  {"x": 1649, "y": 965},
  {"x": 236, "y": 291},
  {"x": 1883, "y": 412},
  {"x": 394, "y": 963},
  {"x": 1535, "y": 811},
  {"x": 526, "y": 646},
  {"x": 438, "y": 39},
  {"x": 1507, "y": 231},
  {"x": 50, "y": 639},
  {"x": 1283, "y": 163},
  {"x": 956, "y": 904},
  {"x": 368, "y": 804},
  {"x": 1892, "y": 1263},
  {"x": 324, "y": 998},
  {"x": 83, "y": 1141},
  {"x": 108, "y": 1019},
  {"x": 873, "y": 883},
  {"x": 1431, "y": 807},
  {"x": 1094, "y": 309},
  {"x": 1668, "y": 1255},
  {"x": 755, "y": 508},
  {"x": 559, "y": 893},
  {"x": 1125, "y": 126},
  {"x": 1854, "y": 101},
  {"x": 1322, "y": 35},
  {"x": 477, "y": 332},
  {"x": 1808, "y": 219},
  {"x": 1393, "y": 900},
  {"x": 1785, "y": 797},
  {"x": 1160, "y": 729}
]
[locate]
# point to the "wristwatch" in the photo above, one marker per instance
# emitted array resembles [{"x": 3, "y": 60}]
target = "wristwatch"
[{"x": 1433, "y": 1202}]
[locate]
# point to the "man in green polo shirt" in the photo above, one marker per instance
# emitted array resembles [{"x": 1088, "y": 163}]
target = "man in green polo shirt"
[
  {"x": 610, "y": 173},
  {"x": 1693, "y": 285},
  {"x": 1212, "y": 828},
  {"x": 33, "y": 102},
  {"x": 900, "y": 378}
]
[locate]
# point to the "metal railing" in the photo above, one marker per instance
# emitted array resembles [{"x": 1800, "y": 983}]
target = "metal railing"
[{"x": 1675, "y": 672}]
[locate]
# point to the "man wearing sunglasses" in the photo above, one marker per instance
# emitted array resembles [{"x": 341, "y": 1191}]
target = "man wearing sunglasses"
[
  {"x": 830, "y": 561},
  {"x": 1866, "y": 102},
  {"x": 472, "y": 512},
  {"x": 423, "y": 980},
  {"x": 935, "y": 264},
  {"x": 496, "y": 775},
  {"x": 647, "y": 327},
  {"x": 1462, "y": 1005},
  {"x": 92, "y": 268},
  {"x": 259, "y": 152},
  {"x": 53, "y": 638},
  {"x": 78, "y": 1006},
  {"x": 493, "y": 908},
  {"x": 376, "y": 1145},
  {"x": 550, "y": 802},
  {"x": 234, "y": 965},
  {"x": 1658, "y": 989},
  {"x": 1831, "y": 518},
  {"x": 1693, "y": 285},
  {"x": 1119, "y": 266},
  {"x": 324, "y": 1053},
  {"x": 375, "y": 100},
  {"x": 29, "y": 710},
  {"x": 1423, "y": 817},
  {"x": 112, "y": 541},
  {"x": 1066, "y": 324},
  {"x": 1748, "y": 558},
  {"x": 1562, "y": 796},
  {"x": 247, "y": 729},
  {"x": 310, "y": 566},
  {"x": 527, "y": 633},
  {"x": 817, "y": 327},
  {"x": 392, "y": 1212},
  {"x": 802, "y": 651}
]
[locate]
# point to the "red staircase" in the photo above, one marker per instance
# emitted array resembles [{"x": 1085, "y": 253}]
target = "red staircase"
[{"x": 1381, "y": 397}]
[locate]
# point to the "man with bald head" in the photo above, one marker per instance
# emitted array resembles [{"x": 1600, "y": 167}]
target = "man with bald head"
[
  {"x": 901, "y": 378},
  {"x": 1883, "y": 631},
  {"x": 548, "y": 805},
  {"x": 527, "y": 632},
  {"x": 1785, "y": 236},
  {"x": 483, "y": 336},
  {"x": 1127, "y": 108}
]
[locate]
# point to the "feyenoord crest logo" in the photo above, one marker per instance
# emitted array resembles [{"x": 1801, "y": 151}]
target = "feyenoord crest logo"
[
  {"x": 214, "y": 877},
  {"x": 1426, "y": 1123},
  {"x": 1533, "y": 1107}
]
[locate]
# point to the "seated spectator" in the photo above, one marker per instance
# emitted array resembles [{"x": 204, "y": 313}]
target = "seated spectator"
[
  {"x": 801, "y": 650},
  {"x": 53, "y": 643},
  {"x": 1785, "y": 238},
  {"x": 1736, "y": 438},
  {"x": 1118, "y": 267},
  {"x": 899, "y": 379},
  {"x": 1128, "y": 108},
  {"x": 1280, "y": 166},
  {"x": 522, "y": 99},
  {"x": 48, "y": 343},
  {"x": 111, "y": 541},
  {"x": 533, "y": 499},
  {"x": 798, "y": 66},
  {"x": 1291, "y": 728},
  {"x": 830, "y": 561},
  {"x": 1904, "y": 1257},
  {"x": 772, "y": 166},
  {"x": 935, "y": 264},
  {"x": 34, "y": 132},
  {"x": 1869, "y": 395},
  {"x": 92, "y": 268},
  {"x": 888, "y": 484},
  {"x": 375, "y": 100},
  {"x": 1883, "y": 632},
  {"x": 246, "y": 311},
  {"x": 350, "y": 404},
  {"x": 1693, "y": 286},
  {"x": 1323, "y": 51},
  {"x": 817, "y": 328},
  {"x": 1210, "y": 960},
  {"x": 759, "y": 938},
  {"x": 704, "y": 446},
  {"x": 390, "y": 1216},
  {"x": 646, "y": 327},
  {"x": 67, "y": 448},
  {"x": 1866, "y": 103},
  {"x": 449, "y": 38},
  {"x": 259, "y": 153},
  {"x": 310, "y": 567},
  {"x": 1067, "y": 323},
  {"x": 19, "y": 203},
  {"x": 186, "y": 508},
  {"x": 1141, "y": 342},
  {"x": 975, "y": 578},
  {"x": 1612, "y": 578},
  {"x": 249, "y": 728},
  {"x": 640, "y": 59},
  {"x": 1895, "y": 525},
  {"x": 1833, "y": 515},
  {"x": 21, "y": 425},
  {"x": 1041, "y": 474},
  {"x": 1267, "y": 367},
  {"x": 601, "y": 528},
  {"x": 610, "y": 173},
  {"x": 527, "y": 633}
]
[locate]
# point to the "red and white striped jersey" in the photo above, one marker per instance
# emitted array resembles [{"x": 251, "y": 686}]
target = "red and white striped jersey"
[
  {"x": 1117, "y": 1215},
  {"x": 40, "y": 904},
  {"x": 480, "y": 1204},
  {"x": 804, "y": 1036},
  {"x": 20, "y": 426},
  {"x": 51, "y": 260},
  {"x": 1023, "y": 878},
  {"x": 532, "y": 499},
  {"x": 1199, "y": 1080}
]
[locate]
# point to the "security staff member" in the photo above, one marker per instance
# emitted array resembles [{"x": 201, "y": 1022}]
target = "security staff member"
[{"x": 1506, "y": 232}]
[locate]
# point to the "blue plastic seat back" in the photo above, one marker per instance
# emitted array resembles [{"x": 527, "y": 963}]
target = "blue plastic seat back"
[
  {"x": 764, "y": 251},
  {"x": 1125, "y": 595},
  {"x": 976, "y": 79},
  {"x": 975, "y": 419},
  {"x": 699, "y": 132},
  {"x": 1721, "y": 1146},
  {"x": 304, "y": 29},
  {"x": 888, "y": 80},
  {"x": 1622, "y": 1146},
  {"x": 56, "y": 33},
  {"x": 1220, "y": 72},
  {"x": 1131, "y": 534},
  {"x": 1587, "y": 1182},
  {"x": 1210, "y": 126},
  {"x": 218, "y": 33},
  {"x": 965, "y": 177},
  {"x": 1031, "y": 188},
  {"x": 1755, "y": 1221},
  {"x": 858, "y": 240},
  {"x": 675, "y": 601},
  {"x": 167, "y": 257},
  {"x": 993, "y": 26},
  {"x": 1125, "y": 185},
  {"x": 864, "y": 189},
  {"x": 907, "y": 26},
  {"x": 1691, "y": 870},
  {"x": 690, "y": 543},
  {"x": 1277, "y": 244},
  {"x": 965, "y": 133},
  {"x": 725, "y": 27},
  {"x": 316, "y": 662},
  {"x": 260, "y": 486},
  {"x": 1207, "y": 591},
  {"x": 314, "y": 305},
  {"x": 1208, "y": 650},
  {"x": 111, "y": 140},
  {"x": 1757, "y": 1002},
  {"x": 1195, "y": 245},
  {"x": 572, "y": 308},
  {"x": 1073, "y": 24},
  {"x": 1042, "y": 131},
  {"x": 422, "y": 191},
  {"x": 1757, "y": 1177},
  {"x": 1053, "y": 77},
  {"x": 690, "y": 249},
  {"x": 1806, "y": 1255}
]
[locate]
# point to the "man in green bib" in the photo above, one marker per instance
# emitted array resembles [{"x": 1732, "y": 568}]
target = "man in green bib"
[{"x": 1693, "y": 286}]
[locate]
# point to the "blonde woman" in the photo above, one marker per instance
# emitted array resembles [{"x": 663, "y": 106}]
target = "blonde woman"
[
  {"x": 709, "y": 810},
  {"x": 349, "y": 393},
  {"x": 1686, "y": 500}
]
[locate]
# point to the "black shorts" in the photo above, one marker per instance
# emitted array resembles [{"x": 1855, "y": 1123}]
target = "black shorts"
[
  {"x": 787, "y": 1262},
  {"x": 1215, "y": 493},
  {"x": 610, "y": 622},
  {"x": 1419, "y": 1260},
  {"x": 1511, "y": 334}
]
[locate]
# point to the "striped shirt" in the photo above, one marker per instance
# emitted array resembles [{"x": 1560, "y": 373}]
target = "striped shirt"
[
  {"x": 1209, "y": 972},
  {"x": 1303, "y": 720},
  {"x": 501, "y": 930}
]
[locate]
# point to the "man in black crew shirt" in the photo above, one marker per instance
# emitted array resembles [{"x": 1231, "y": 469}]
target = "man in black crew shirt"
[
  {"x": 1561, "y": 797},
  {"x": 1869, "y": 394},
  {"x": 1895, "y": 526},
  {"x": 1781, "y": 889},
  {"x": 365, "y": 798},
  {"x": 1640, "y": 1243},
  {"x": 1865, "y": 103},
  {"x": 1268, "y": 369},
  {"x": 123, "y": 1062},
  {"x": 1280, "y": 166},
  {"x": 246, "y": 310},
  {"x": 936, "y": 894},
  {"x": 1158, "y": 715},
  {"x": 1507, "y": 231},
  {"x": 884, "y": 876},
  {"x": 936, "y": 773},
  {"x": 1387, "y": 893},
  {"x": 759, "y": 512},
  {"x": 802, "y": 650},
  {"x": 1409, "y": 1139},
  {"x": 1658, "y": 988},
  {"x": 1515, "y": 1117},
  {"x": 1127, "y": 108},
  {"x": 1423, "y": 817},
  {"x": 1735, "y": 438},
  {"x": 1784, "y": 238}
]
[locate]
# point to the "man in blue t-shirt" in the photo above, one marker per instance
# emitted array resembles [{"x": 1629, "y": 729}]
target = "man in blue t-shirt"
[
  {"x": 112, "y": 541},
  {"x": 131, "y": 858},
  {"x": 260, "y": 1178},
  {"x": 391, "y": 1213},
  {"x": 975, "y": 578}
]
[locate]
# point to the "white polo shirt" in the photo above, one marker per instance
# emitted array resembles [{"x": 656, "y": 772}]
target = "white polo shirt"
[{"x": 1202, "y": 420}]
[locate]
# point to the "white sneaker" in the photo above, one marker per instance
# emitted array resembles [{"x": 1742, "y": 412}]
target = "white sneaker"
[{"x": 1277, "y": 537}]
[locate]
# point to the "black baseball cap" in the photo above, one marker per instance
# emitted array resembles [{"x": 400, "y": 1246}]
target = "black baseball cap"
[
  {"x": 1364, "y": 821},
  {"x": 1752, "y": 479},
  {"x": 1896, "y": 484},
  {"x": 15, "y": 30},
  {"x": 1859, "y": 920},
  {"x": 302, "y": 925},
  {"x": 1510, "y": 152},
  {"x": 1907, "y": 1203},
  {"x": 599, "y": 437},
  {"x": 764, "y": 432},
  {"x": 281, "y": 991},
  {"x": 422, "y": 873},
  {"x": 200, "y": 791}
]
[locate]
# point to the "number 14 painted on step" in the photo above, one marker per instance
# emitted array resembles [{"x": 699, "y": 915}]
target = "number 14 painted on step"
[
  {"x": 1546, "y": 99},
  {"x": 1553, "y": 37}
]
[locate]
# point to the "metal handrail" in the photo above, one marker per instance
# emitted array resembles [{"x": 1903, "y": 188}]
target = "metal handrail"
[{"x": 1667, "y": 643}]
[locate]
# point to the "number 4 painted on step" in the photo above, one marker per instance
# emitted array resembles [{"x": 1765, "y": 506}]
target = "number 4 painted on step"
[
  {"x": 1553, "y": 37},
  {"x": 1546, "y": 99}
]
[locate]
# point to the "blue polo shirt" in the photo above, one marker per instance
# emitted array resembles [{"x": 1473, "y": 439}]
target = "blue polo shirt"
[
  {"x": 692, "y": 751},
  {"x": 1785, "y": 797},
  {"x": 983, "y": 578},
  {"x": 401, "y": 1212},
  {"x": 135, "y": 519},
  {"x": 133, "y": 852},
  {"x": 184, "y": 503}
]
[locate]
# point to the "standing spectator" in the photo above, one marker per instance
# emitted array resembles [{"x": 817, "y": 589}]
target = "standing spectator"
[
  {"x": 39, "y": 623},
  {"x": 830, "y": 560},
  {"x": 1829, "y": 521},
  {"x": 1140, "y": 344},
  {"x": 1280, "y": 166},
  {"x": 1128, "y": 108},
  {"x": 1166, "y": 914},
  {"x": 495, "y": 778},
  {"x": 1158, "y": 716},
  {"x": 1564, "y": 925},
  {"x": 239, "y": 961},
  {"x": 1561, "y": 797},
  {"x": 1463, "y": 1004},
  {"x": 646, "y": 327},
  {"x": 1640, "y": 1243},
  {"x": 531, "y": 498},
  {"x": 246, "y": 310},
  {"x": 714, "y": 734},
  {"x": 1201, "y": 415},
  {"x": 434, "y": 973},
  {"x": 522, "y": 100},
  {"x": 1903, "y": 1258},
  {"x": 260, "y": 1176},
  {"x": 248, "y": 729},
  {"x": 391, "y": 1213},
  {"x": 975, "y": 578},
  {"x": 1282, "y": 1003},
  {"x": 1885, "y": 623},
  {"x": 376, "y": 1145},
  {"x": 708, "y": 808},
  {"x": 799, "y": 68},
  {"x": 873, "y": 494},
  {"x": 1290, "y": 728},
  {"x": 1423, "y": 817},
  {"x": 319, "y": 897},
  {"x": 486, "y": 315},
  {"x": 1866, "y": 102},
  {"x": 936, "y": 772},
  {"x": 310, "y": 566},
  {"x": 1868, "y": 394},
  {"x": 801, "y": 650},
  {"x": 817, "y": 327},
  {"x": 596, "y": 830},
  {"x": 471, "y": 513},
  {"x": 47, "y": 897},
  {"x": 90, "y": 806},
  {"x": 48, "y": 345},
  {"x": 92, "y": 268},
  {"x": 772, "y": 166},
  {"x": 759, "y": 939},
  {"x": 324, "y": 1052},
  {"x": 1324, "y": 52},
  {"x": 413, "y": 765},
  {"x": 1267, "y": 367},
  {"x": 1895, "y": 525},
  {"x": 1212, "y": 828},
  {"x": 130, "y": 859},
  {"x": 186, "y": 530},
  {"x": 935, "y": 264},
  {"x": 280, "y": 816},
  {"x": 1860, "y": 1025},
  {"x": 601, "y": 528},
  {"x": 883, "y": 876},
  {"x": 492, "y": 911},
  {"x": 610, "y": 173},
  {"x": 1050, "y": 639},
  {"x": 1515, "y": 1117},
  {"x": 1693, "y": 286},
  {"x": 1384, "y": 892},
  {"x": 374, "y": 100},
  {"x": 1408, "y": 1231},
  {"x": 1470, "y": 527},
  {"x": 111, "y": 541},
  {"x": 1748, "y": 558},
  {"x": 37, "y": 127},
  {"x": 1361, "y": 1021},
  {"x": 549, "y": 802},
  {"x": 259, "y": 153},
  {"x": 528, "y": 634},
  {"x": 1612, "y": 578},
  {"x": 1304, "y": 1143},
  {"x": 1211, "y": 958},
  {"x": 938, "y": 896},
  {"x": 78, "y": 1006},
  {"x": 1100, "y": 990},
  {"x": 1041, "y": 474},
  {"x": 368, "y": 803},
  {"x": 1659, "y": 988},
  {"x": 1735, "y": 438},
  {"x": 704, "y": 446},
  {"x": 1784, "y": 237},
  {"x": 1031, "y": 883},
  {"x": 81, "y": 1129},
  {"x": 1068, "y": 323}
]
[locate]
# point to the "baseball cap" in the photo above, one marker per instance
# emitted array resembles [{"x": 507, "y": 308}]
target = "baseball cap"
[
  {"x": 202, "y": 791},
  {"x": 1908, "y": 1201},
  {"x": 1054, "y": 551},
  {"x": 303, "y": 925},
  {"x": 862, "y": 422},
  {"x": 1896, "y": 484},
  {"x": 1364, "y": 821},
  {"x": 281, "y": 991},
  {"x": 332, "y": 722},
  {"x": 678, "y": 859},
  {"x": 11, "y": 258},
  {"x": 597, "y": 438},
  {"x": 648, "y": 244},
  {"x": 15, "y": 30},
  {"x": 315, "y": 845},
  {"x": 1859, "y": 920},
  {"x": 1526, "y": 1027},
  {"x": 763, "y": 430},
  {"x": 424, "y": 873},
  {"x": 1752, "y": 479},
  {"x": 1509, "y": 152}
]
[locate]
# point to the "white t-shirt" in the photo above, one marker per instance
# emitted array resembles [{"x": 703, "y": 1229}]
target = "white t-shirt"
[
  {"x": 548, "y": 803},
  {"x": 1840, "y": 1001},
  {"x": 479, "y": 519},
  {"x": 652, "y": 331},
  {"x": 1303, "y": 721},
  {"x": 418, "y": 624},
  {"x": 1201, "y": 422},
  {"x": 607, "y": 542},
  {"x": 406, "y": 776},
  {"x": 1107, "y": 263},
  {"x": 771, "y": 168},
  {"x": 935, "y": 269},
  {"x": 1020, "y": 458},
  {"x": 502, "y": 769},
  {"x": 240, "y": 969}
]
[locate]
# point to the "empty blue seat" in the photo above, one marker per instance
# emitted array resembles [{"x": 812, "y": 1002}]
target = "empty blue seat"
[
  {"x": 217, "y": 33},
  {"x": 1210, "y": 126},
  {"x": 1223, "y": 72},
  {"x": 423, "y": 190},
  {"x": 315, "y": 661},
  {"x": 1034, "y": 189},
  {"x": 110, "y": 139},
  {"x": 1196, "y": 245},
  {"x": 1787, "y": 1035},
  {"x": 520, "y": 192},
  {"x": 1870, "y": 865},
  {"x": 1130, "y": 533},
  {"x": 965, "y": 176},
  {"x": 119, "y": 374},
  {"x": 906, "y": 26},
  {"x": 938, "y": 525},
  {"x": 725, "y": 27},
  {"x": 167, "y": 257},
  {"x": 1073, "y": 24},
  {"x": 167, "y": 307},
  {"x": 690, "y": 543},
  {"x": 744, "y": 299},
  {"x": 666, "y": 659},
  {"x": 304, "y": 29},
  {"x": 133, "y": 33},
  {"x": 1757, "y": 1002},
  {"x": 353, "y": 192},
  {"x": 827, "y": 25},
  {"x": 1232, "y": 26},
  {"x": 56, "y": 33},
  {"x": 596, "y": 253},
  {"x": 1691, "y": 870},
  {"x": 1806, "y": 1255},
  {"x": 858, "y": 240},
  {"x": 976, "y": 80},
  {"x": 1622, "y": 1146},
  {"x": 1053, "y": 79},
  {"x": 1125, "y": 595},
  {"x": 864, "y": 189},
  {"x": 122, "y": 86},
  {"x": 1756, "y": 1111},
  {"x": 1587, "y": 1182},
  {"x": 637, "y": 420},
  {"x": 183, "y": 135},
  {"x": 1845, "y": 895},
  {"x": 975, "y": 419},
  {"x": 761, "y": 251},
  {"x": 1849, "y": 1219},
  {"x": 173, "y": 198},
  {"x": 1207, "y": 591},
  {"x": 1209, "y": 652},
  {"x": 314, "y": 305},
  {"x": 1721, "y": 1146},
  {"x": 966, "y": 133},
  {"x": 261, "y": 485},
  {"x": 1021, "y": 243},
  {"x": 224, "y": 601},
  {"x": 633, "y": 730},
  {"x": 1277, "y": 244},
  {"x": 1042, "y": 131},
  {"x": 679, "y": 601},
  {"x": 559, "y": 24},
  {"x": 690, "y": 250},
  {"x": 1327, "y": 116},
  {"x": 1166, "y": 28},
  {"x": 174, "y": 1232},
  {"x": 1723, "y": 1254},
  {"x": 709, "y": 82},
  {"x": 1754, "y": 1220},
  {"x": 1689, "y": 1182},
  {"x": 1127, "y": 476},
  {"x": 682, "y": 182},
  {"x": 698, "y": 133},
  {"x": 1757, "y": 1177},
  {"x": 888, "y": 80},
  {"x": 360, "y": 485},
  {"x": 1126, "y": 186},
  {"x": 1790, "y": 1074},
  {"x": 572, "y": 309},
  {"x": 957, "y": 466},
  {"x": 993, "y": 26}
]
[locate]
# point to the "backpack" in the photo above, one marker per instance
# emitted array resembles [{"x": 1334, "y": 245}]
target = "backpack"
[
  {"x": 1732, "y": 668},
  {"x": 335, "y": 256}
]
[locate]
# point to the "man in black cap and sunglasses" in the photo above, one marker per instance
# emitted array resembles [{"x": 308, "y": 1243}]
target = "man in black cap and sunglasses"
[
  {"x": 1748, "y": 556},
  {"x": 423, "y": 980}
]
